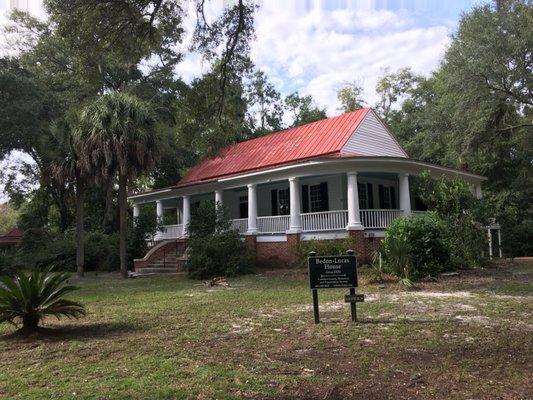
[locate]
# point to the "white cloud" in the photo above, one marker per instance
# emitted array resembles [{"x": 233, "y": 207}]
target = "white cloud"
[{"x": 315, "y": 51}]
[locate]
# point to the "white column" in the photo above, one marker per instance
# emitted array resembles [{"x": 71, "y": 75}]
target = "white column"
[
  {"x": 294, "y": 201},
  {"x": 136, "y": 213},
  {"x": 159, "y": 211},
  {"x": 219, "y": 198},
  {"x": 405, "y": 198},
  {"x": 477, "y": 191},
  {"x": 489, "y": 234},
  {"x": 500, "y": 243},
  {"x": 252, "y": 210},
  {"x": 186, "y": 214},
  {"x": 354, "y": 216}
]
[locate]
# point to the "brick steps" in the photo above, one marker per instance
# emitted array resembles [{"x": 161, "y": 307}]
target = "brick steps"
[{"x": 165, "y": 257}]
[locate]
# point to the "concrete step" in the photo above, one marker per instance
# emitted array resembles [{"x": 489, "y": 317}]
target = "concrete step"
[{"x": 157, "y": 270}]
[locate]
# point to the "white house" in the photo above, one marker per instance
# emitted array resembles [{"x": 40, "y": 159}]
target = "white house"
[{"x": 341, "y": 176}]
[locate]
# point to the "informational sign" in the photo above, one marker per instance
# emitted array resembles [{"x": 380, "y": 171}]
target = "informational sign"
[
  {"x": 355, "y": 298},
  {"x": 328, "y": 272}
]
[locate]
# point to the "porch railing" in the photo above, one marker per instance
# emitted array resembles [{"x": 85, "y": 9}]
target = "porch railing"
[
  {"x": 311, "y": 222},
  {"x": 169, "y": 232},
  {"x": 240, "y": 224},
  {"x": 273, "y": 224},
  {"x": 324, "y": 221},
  {"x": 379, "y": 219}
]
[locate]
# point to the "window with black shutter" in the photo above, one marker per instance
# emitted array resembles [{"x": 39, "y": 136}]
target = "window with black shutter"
[
  {"x": 393, "y": 197},
  {"x": 243, "y": 207},
  {"x": 363, "y": 199},
  {"x": 370, "y": 192},
  {"x": 274, "y": 201},
  {"x": 305, "y": 198}
]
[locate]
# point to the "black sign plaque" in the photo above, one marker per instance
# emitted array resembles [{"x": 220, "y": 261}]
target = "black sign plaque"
[{"x": 329, "y": 272}]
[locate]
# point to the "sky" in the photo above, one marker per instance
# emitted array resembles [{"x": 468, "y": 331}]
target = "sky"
[{"x": 315, "y": 46}]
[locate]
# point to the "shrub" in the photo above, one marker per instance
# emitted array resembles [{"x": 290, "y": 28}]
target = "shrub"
[
  {"x": 27, "y": 300},
  {"x": 214, "y": 248},
  {"x": 7, "y": 261},
  {"x": 462, "y": 215},
  {"x": 416, "y": 247},
  {"x": 321, "y": 248}
]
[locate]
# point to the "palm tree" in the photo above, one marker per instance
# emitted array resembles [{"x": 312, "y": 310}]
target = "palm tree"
[
  {"x": 119, "y": 132},
  {"x": 67, "y": 166}
]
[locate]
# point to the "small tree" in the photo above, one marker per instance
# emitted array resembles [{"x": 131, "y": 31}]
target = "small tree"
[
  {"x": 463, "y": 214},
  {"x": 414, "y": 248},
  {"x": 214, "y": 248}
]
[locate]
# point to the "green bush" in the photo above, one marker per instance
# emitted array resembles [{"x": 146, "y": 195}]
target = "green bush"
[
  {"x": 214, "y": 248},
  {"x": 321, "y": 248},
  {"x": 416, "y": 247},
  {"x": 28, "y": 299}
]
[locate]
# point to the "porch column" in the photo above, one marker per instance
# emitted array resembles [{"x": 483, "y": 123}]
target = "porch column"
[
  {"x": 136, "y": 214},
  {"x": 252, "y": 209},
  {"x": 294, "y": 200},
  {"x": 186, "y": 214},
  {"x": 354, "y": 216},
  {"x": 405, "y": 199},
  {"x": 219, "y": 198},
  {"x": 159, "y": 212}
]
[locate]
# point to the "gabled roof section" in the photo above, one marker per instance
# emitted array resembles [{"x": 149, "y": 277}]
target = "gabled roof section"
[
  {"x": 372, "y": 138},
  {"x": 331, "y": 136}
]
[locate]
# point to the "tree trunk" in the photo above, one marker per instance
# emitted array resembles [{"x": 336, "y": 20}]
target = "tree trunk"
[
  {"x": 108, "y": 216},
  {"x": 80, "y": 230},
  {"x": 122, "y": 204}
]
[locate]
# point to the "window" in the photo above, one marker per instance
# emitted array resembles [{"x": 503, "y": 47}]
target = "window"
[
  {"x": 280, "y": 200},
  {"x": 387, "y": 197},
  {"x": 316, "y": 198},
  {"x": 243, "y": 206},
  {"x": 283, "y": 202}
]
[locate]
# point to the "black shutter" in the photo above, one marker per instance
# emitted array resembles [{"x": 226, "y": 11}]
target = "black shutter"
[
  {"x": 393, "y": 197},
  {"x": 370, "y": 194},
  {"x": 305, "y": 198},
  {"x": 324, "y": 197},
  {"x": 274, "y": 199},
  {"x": 381, "y": 197},
  {"x": 360, "y": 192}
]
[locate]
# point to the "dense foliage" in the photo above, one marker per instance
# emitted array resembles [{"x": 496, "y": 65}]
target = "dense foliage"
[
  {"x": 415, "y": 248},
  {"x": 26, "y": 300},
  {"x": 214, "y": 248},
  {"x": 463, "y": 215}
]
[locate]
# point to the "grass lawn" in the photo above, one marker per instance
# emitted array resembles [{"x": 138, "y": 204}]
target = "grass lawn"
[{"x": 166, "y": 337}]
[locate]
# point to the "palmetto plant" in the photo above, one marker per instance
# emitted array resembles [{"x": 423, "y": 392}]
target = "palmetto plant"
[
  {"x": 119, "y": 133},
  {"x": 27, "y": 300}
]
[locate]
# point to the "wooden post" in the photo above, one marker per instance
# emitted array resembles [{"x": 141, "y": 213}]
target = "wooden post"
[
  {"x": 353, "y": 306},
  {"x": 315, "y": 306}
]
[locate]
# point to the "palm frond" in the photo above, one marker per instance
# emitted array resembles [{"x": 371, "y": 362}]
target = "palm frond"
[{"x": 28, "y": 299}]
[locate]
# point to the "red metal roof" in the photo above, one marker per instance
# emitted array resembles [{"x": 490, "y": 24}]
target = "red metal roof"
[{"x": 320, "y": 138}]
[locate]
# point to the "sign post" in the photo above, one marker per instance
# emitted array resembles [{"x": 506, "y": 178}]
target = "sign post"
[{"x": 333, "y": 272}]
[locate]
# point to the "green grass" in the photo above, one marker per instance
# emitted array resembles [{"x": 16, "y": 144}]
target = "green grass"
[{"x": 167, "y": 337}]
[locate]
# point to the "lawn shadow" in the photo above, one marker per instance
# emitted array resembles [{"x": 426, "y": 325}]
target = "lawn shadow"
[
  {"x": 384, "y": 321},
  {"x": 58, "y": 333}
]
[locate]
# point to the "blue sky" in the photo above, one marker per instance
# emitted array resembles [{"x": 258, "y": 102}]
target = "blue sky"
[{"x": 316, "y": 46}]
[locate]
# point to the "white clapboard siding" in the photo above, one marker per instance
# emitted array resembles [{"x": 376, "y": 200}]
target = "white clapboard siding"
[{"x": 371, "y": 138}]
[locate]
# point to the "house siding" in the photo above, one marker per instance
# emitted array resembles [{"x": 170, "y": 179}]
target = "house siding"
[{"x": 371, "y": 138}]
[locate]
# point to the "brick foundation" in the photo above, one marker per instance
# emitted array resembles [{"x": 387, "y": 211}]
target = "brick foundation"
[{"x": 283, "y": 254}]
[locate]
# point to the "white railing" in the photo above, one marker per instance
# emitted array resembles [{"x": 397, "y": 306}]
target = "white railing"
[
  {"x": 240, "y": 224},
  {"x": 324, "y": 221},
  {"x": 379, "y": 219},
  {"x": 273, "y": 224},
  {"x": 169, "y": 232}
]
